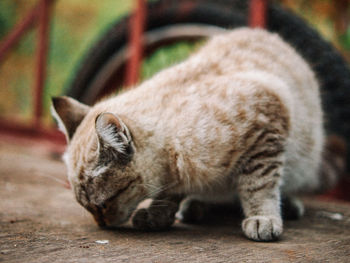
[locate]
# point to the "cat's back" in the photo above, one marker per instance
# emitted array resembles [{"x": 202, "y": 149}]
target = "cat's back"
[
  {"x": 228, "y": 66},
  {"x": 238, "y": 51},
  {"x": 203, "y": 106},
  {"x": 239, "y": 54}
]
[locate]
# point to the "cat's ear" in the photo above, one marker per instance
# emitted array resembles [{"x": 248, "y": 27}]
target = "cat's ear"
[
  {"x": 114, "y": 138},
  {"x": 68, "y": 113}
]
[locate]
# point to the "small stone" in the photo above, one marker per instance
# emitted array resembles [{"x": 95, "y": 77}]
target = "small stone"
[
  {"x": 330, "y": 215},
  {"x": 103, "y": 242}
]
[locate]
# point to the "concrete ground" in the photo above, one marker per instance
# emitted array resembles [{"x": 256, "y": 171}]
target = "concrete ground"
[{"x": 41, "y": 222}]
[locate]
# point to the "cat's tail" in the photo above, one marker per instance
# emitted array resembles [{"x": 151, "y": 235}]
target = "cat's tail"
[{"x": 333, "y": 166}]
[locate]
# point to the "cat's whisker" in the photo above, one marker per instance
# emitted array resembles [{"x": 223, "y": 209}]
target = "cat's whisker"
[
  {"x": 158, "y": 190},
  {"x": 55, "y": 179},
  {"x": 165, "y": 205},
  {"x": 154, "y": 192}
]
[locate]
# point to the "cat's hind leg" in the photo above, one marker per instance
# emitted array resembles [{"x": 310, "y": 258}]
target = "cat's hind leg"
[
  {"x": 193, "y": 211},
  {"x": 292, "y": 208},
  {"x": 196, "y": 210}
]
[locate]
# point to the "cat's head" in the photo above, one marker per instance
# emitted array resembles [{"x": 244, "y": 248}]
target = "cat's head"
[{"x": 99, "y": 159}]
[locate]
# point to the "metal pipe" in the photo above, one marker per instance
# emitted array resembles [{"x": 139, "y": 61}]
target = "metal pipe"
[
  {"x": 19, "y": 129},
  {"x": 257, "y": 13},
  {"x": 42, "y": 48},
  {"x": 14, "y": 36},
  {"x": 135, "y": 43}
]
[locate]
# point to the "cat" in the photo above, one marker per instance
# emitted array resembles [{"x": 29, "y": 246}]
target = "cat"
[{"x": 240, "y": 118}]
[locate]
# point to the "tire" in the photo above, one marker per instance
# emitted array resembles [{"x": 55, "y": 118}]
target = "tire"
[
  {"x": 163, "y": 15},
  {"x": 98, "y": 75}
]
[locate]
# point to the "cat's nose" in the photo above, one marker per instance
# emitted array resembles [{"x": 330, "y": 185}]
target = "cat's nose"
[
  {"x": 100, "y": 221},
  {"x": 116, "y": 220},
  {"x": 98, "y": 216}
]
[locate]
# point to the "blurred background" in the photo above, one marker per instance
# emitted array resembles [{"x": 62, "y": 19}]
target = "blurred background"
[
  {"x": 77, "y": 24},
  {"x": 90, "y": 49}
]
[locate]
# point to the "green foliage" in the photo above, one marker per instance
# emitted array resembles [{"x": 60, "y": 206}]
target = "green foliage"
[
  {"x": 166, "y": 56},
  {"x": 7, "y": 16},
  {"x": 345, "y": 39}
]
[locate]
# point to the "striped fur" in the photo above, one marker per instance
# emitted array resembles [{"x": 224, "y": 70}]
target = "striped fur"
[{"x": 242, "y": 116}]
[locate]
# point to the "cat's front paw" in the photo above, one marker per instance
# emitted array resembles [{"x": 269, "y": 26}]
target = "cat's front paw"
[
  {"x": 262, "y": 228},
  {"x": 153, "y": 219}
]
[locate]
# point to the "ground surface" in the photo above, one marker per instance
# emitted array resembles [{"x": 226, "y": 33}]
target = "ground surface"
[{"x": 41, "y": 222}]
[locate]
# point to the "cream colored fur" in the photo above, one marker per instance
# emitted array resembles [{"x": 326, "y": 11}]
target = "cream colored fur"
[{"x": 241, "y": 116}]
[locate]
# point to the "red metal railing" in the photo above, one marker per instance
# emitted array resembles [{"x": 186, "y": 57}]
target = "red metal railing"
[
  {"x": 42, "y": 48},
  {"x": 257, "y": 13},
  {"x": 40, "y": 15},
  {"x": 14, "y": 36},
  {"x": 135, "y": 48}
]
